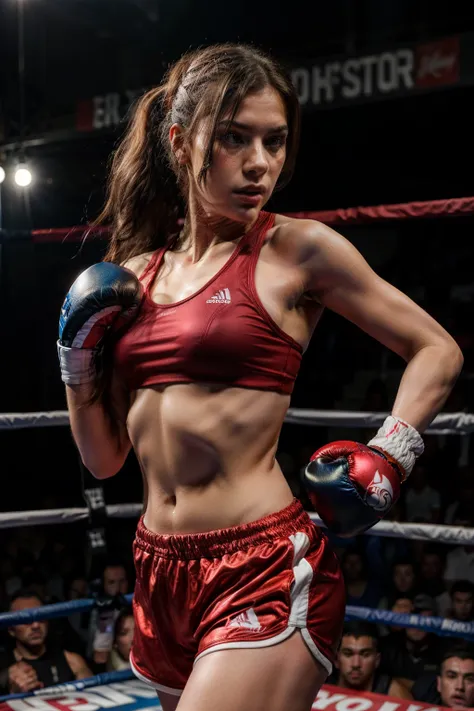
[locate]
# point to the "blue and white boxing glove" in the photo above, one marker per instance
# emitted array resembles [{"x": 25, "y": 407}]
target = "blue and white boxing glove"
[
  {"x": 352, "y": 485},
  {"x": 105, "y": 297}
]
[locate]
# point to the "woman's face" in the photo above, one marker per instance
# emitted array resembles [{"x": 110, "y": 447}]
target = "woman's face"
[
  {"x": 124, "y": 639},
  {"x": 250, "y": 153}
]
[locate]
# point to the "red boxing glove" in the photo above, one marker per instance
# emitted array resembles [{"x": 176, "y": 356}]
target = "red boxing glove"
[{"x": 352, "y": 486}]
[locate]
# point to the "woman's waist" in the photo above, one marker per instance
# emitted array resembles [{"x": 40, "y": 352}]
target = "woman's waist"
[
  {"x": 275, "y": 526},
  {"x": 207, "y": 451},
  {"x": 222, "y": 500}
]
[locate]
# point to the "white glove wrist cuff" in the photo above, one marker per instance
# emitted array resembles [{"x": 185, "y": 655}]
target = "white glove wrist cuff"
[
  {"x": 401, "y": 441},
  {"x": 76, "y": 364}
]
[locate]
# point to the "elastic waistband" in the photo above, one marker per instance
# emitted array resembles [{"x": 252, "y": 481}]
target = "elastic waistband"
[{"x": 215, "y": 544}]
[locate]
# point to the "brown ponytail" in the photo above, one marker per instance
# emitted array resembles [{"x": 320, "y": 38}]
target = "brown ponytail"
[{"x": 143, "y": 197}]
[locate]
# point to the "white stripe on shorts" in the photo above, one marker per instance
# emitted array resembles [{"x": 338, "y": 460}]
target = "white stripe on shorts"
[{"x": 299, "y": 596}]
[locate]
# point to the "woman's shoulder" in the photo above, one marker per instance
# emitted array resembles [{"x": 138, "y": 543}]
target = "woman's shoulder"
[
  {"x": 302, "y": 225},
  {"x": 139, "y": 263},
  {"x": 304, "y": 233},
  {"x": 301, "y": 239}
]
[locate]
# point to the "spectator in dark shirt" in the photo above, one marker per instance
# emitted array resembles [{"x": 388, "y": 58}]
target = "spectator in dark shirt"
[
  {"x": 456, "y": 679},
  {"x": 361, "y": 589},
  {"x": 33, "y": 662},
  {"x": 402, "y": 605},
  {"x": 432, "y": 564},
  {"x": 74, "y": 629},
  {"x": 462, "y": 601},
  {"x": 453, "y": 685},
  {"x": 123, "y": 636},
  {"x": 412, "y": 651},
  {"x": 358, "y": 662},
  {"x": 431, "y": 580},
  {"x": 402, "y": 583},
  {"x": 115, "y": 582}
]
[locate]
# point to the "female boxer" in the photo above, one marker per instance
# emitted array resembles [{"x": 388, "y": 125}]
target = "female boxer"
[{"x": 239, "y": 600}]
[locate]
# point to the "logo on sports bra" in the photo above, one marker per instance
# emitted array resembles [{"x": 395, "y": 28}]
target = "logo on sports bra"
[{"x": 222, "y": 297}]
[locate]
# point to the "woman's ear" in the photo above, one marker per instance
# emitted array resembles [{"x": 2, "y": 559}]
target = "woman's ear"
[{"x": 176, "y": 136}]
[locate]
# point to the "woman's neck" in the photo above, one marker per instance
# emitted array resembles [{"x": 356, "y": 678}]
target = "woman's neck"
[{"x": 203, "y": 231}]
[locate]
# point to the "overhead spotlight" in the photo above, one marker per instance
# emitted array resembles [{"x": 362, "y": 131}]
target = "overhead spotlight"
[
  {"x": 23, "y": 176},
  {"x": 2, "y": 175}
]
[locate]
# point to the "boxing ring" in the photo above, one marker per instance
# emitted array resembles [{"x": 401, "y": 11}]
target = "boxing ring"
[{"x": 120, "y": 690}]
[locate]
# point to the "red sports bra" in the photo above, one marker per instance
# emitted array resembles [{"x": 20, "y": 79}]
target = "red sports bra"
[{"x": 220, "y": 334}]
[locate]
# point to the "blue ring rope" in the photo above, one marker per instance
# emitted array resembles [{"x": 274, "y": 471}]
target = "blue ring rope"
[
  {"x": 438, "y": 625},
  {"x": 97, "y": 680},
  {"x": 49, "y": 612}
]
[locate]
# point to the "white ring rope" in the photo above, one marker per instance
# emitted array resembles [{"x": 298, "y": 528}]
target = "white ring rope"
[
  {"x": 458, "y": 423},
  {"x": 445, "y": 423},
  {"x": 454, "y": 535},
  {"x": 24, "y": 420},
  {"x": 15, "y": 519}
]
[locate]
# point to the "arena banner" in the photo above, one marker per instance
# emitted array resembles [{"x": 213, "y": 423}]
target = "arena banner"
[
  {"x": 134, "y": 694},
  {"x": 333, "y": 698},
  {"x": 403, "y": 70},
  {"x": 323, "y": 83},
  {"x": 105, "y": 111},
  {"x": 332, "y": 82}
]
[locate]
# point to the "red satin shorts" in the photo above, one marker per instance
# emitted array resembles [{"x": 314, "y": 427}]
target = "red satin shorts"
[{"x": 245, "y": 586}]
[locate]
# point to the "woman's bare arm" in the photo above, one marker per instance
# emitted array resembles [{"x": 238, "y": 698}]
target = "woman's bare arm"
[
  {"x": 103, "y": 450},
  {"x": 341, "y": 279}
]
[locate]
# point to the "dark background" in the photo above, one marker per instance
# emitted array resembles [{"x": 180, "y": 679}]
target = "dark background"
[{"x": 404, "y": 149}]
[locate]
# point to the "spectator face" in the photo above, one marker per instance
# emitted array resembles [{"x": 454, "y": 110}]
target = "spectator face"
[
  {"x": 462, "y": 606},
  {"x": 416, "y": 635},
  {"x": 32, "y": 635},
  {"x": 456, "y": 682},
  {"x": 115, "y": 580},
  {"x": 431, "y": 566},
  {"x": 352, "y": 567},
  {"x": 403, "y": 605},
  {"x": 357, "y": 661},
  {"x": 78, "y": 589},
  {"x": 123, "y": 642},
  {"x": 403, "y": 577}
]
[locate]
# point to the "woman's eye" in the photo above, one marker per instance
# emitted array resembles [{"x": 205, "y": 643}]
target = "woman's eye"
[
  {"x": 231, "y": 138},
  {"x": 276, "y": 142}
]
